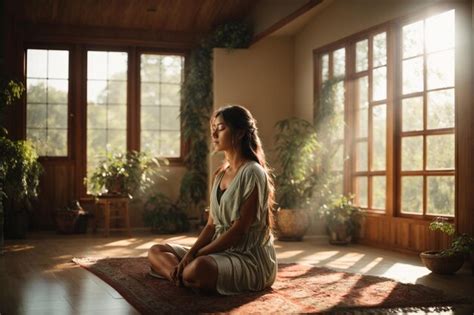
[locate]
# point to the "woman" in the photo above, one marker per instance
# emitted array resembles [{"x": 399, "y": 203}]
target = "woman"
[{"x": 234, "y": 252}]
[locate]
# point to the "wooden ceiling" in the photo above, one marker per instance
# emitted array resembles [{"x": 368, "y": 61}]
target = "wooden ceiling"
[{"x": 188, "y": 16}]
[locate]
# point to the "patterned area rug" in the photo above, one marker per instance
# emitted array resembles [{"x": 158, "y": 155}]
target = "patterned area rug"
[{"x": 298, "y": 289}]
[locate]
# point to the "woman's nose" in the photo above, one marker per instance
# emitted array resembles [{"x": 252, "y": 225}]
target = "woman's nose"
[{"x": 214, "y": 134}]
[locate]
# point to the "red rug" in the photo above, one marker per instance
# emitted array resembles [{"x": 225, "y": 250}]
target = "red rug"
[{"x": 298, "y": 289}]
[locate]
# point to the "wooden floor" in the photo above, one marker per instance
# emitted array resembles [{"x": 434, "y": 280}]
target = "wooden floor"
[{"x": 37, "y": 276}]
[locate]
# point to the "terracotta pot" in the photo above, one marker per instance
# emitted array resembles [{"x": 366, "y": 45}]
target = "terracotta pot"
[
  {"x": 439, "y": 264},
  {"x": 291, "y": 224}
]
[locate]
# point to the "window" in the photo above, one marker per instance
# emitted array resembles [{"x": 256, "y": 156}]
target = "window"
[
  {"x": 106, "y": 104},
  {"x": 427, "y": 116},
  {"x": 161, "y": 77},
  {"x": 333, "y": 65},
  {"x": 401, "y": 144},
  {"x": 47, "y": 81},
  {"x": 370, "y": 104}
]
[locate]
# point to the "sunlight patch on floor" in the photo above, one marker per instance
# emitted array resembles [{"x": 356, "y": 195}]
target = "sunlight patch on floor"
[
  {"x": 289, "y": 253},
  {"x": 406, "y": 272}
]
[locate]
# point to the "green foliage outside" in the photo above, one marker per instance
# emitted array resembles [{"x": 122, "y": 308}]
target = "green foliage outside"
[{"x": 461, "y": 243}]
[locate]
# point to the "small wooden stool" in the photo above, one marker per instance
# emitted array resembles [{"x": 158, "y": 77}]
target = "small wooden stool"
[{"x": 115, "y": 208}]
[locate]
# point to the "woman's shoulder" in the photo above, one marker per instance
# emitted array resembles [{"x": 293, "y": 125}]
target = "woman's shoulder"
[{"x": 254, "y": 168}]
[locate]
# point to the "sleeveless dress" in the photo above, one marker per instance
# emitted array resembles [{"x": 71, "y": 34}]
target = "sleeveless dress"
[{"x": 251, "y": 264}]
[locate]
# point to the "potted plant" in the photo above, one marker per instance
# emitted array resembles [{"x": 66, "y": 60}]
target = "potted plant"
[
  {"x": 450, "y": 260},
  {"x": 296, "y": 144},
  {"x": 164, "y": 216},
  {"x": 343, "y": 220},
  {"x": 124, "y": 174},
  {"x": 19, "y": 183},
  {"x": 72, "y": 219}
]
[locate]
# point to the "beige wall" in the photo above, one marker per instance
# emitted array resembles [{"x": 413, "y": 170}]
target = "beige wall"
[
  {"x": 340, "y": 19},
  {"x": 259, "y": 78}
]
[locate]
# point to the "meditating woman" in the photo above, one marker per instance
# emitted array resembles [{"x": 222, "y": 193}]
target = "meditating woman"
[{"x": 234, "y": 252}]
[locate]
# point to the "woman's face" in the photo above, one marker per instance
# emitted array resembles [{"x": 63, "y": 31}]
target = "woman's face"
[{"x": 221, "y": 134}]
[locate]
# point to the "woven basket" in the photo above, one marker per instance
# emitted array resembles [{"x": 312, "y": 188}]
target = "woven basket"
[{"x": 291, "y": 224}]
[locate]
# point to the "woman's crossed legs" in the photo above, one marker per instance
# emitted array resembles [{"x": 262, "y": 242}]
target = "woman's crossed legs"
[{"x": 201, "y": 273}]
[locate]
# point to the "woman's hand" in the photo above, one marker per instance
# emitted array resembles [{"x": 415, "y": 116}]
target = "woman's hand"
[{"x": 177, "y": 273}]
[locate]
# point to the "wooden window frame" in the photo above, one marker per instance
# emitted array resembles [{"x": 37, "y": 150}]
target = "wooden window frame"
[
  {"x": 393, "y": 175},
  {"x": 70, "y": 108}
]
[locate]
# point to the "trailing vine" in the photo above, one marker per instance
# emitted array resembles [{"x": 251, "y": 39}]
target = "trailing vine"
[{"x": 197, "y": 109}]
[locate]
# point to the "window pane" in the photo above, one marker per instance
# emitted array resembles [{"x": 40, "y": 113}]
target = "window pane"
[
  {"x": 412, "y": 37},
  {"x": 150, "y": 142},
  {"x": 150, "y": 68},
  {"x": 36, "y": 115},
  {"x": 440, "y": 31},
  {"x": 362, "y": 123},
  {"x": 412, "y": 153},
  {"x": 35, "y": 90},
  {"x": 106, "y": 122},
  {"x": 57, "y": 142},
  {"x": 412, "y": 194},
  {"x": 412, "y": 75},
  {"x": 96, "y": 116},
  {"x": 47, "y": 77},
  {"x": 380, "y": 49},
  {"x": 363, "y": 92},
  {"x": 361, "y": 191},
  {"x": 170, "y": 118},
  {"x": 171, "y": 69},
  {"x": 379, "y": 89},
  {"x": 440, "y": 152},
  {"x": 117, "y": 66},
  {"x": 116, "y": 140},
  {"x": 412, "y": 114},
  {"x": 378, "y": 192},
  {"x": 170, "y": 94},
  {"x": 58, "y": 64},
  {"x": 170, "y": 144},
  {"x": 339, "y": 62},
  {"x": 57, "y": 91},
  {"x": 440, "y": 195},
  {"x": 117, "y": 91},
  {"x": 160, "y": 123},
  {"x": 379, "y": 122},
  {"x": 325, "y": 67},
  {"x": 150, "y": 118},
  {"x": 440, "y": 69},
  {"x": 441, "y": 109},
  {"x": 96, "y": 92},
  {"x": 150, "y": 93},
  {"x": 96, "y": 65},
  {"x": 361, "y": 158},
  {"x": 117, "y": 116},
  {"x": 37, "y": 63},
  {"x": 57, "y": 116},
  {"x": 38, "y": 137},
  {"x": 362, "y": 60}
]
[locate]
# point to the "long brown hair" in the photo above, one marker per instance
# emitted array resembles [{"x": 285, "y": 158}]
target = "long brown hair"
[{"x": 238, "y": 118}]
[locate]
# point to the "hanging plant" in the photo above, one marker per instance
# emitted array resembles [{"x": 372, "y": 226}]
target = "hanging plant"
[{"x": 197, "y": 109}]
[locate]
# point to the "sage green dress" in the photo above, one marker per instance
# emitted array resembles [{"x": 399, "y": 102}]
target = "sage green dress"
[{"x": 251, "y": 264}]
